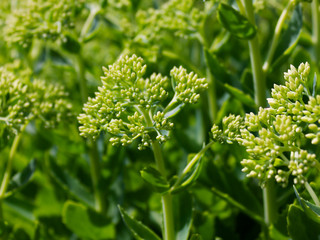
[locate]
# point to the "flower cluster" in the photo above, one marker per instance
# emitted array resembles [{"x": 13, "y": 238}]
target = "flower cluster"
[
  {"x": 129, "y": 106},
  {"x": 180, "y": 17},
  {"x": 276, "y": 138},
  {"x": 40, "y": 20},
  {"x": 22, "y": 101}
]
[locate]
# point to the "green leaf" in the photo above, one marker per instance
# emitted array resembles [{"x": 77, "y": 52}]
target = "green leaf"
[
  {"x": 70, "y": 44},
  {"x": 57, "y": 59},
  {"x": 71, "y": 184},
  {"x": 311, "y": 210},
  {"x": 22, "y": 178},
  {"x": 235, "y": 22},
  {"x": 300, "y": 227},
  {"x": 275, "y": 234},
  {"x": 182, "y": 205},
  {"x": 173, "y": 109},
  {"x": 289, "y": 38},
  {"x": 4, "y": 230},
  {"x": 87, "y": 223},
  {"x": 196, "y": 237},
  {"x": 138, "y": 229},
  {"x": 155, "y": 179},
  {"x": 191, "y": 176},
  {"x": 241, "y": 96}
]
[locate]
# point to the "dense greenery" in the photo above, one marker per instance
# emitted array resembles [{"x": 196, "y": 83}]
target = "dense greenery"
[{"x": 173, "y": 120}]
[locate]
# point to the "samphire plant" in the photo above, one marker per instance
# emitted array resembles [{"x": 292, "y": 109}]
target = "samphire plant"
[
  {"x": 141, "y": 153},
  {"x": 130, "y": 107}
]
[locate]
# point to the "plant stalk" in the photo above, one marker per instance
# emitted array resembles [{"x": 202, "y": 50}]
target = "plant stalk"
[
  {"x": 316, "y": 29},
  {"x": 8, "y": 171},
  {"x": 95, "y": 168},
  {"x": 312, "y": 193},
  {"x": 276, "y": 35},
  {"x": 269, "y": 200},
  {"x": 166, "y": 198}
]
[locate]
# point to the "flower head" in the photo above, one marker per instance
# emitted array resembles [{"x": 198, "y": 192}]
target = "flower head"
[{"x": 129, "y": 106}]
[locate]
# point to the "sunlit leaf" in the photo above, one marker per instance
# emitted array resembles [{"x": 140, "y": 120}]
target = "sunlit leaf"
[{"x": 235, "y": 22}]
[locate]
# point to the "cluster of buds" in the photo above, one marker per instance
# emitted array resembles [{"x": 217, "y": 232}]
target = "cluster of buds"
[
  {"x": 129, "y": 106},
  {"x": 276, "y": 137},
  {"x": 35, "y": 19},
  {"x": 179, "y": 17},
  {"x": 23, "y": 100}
]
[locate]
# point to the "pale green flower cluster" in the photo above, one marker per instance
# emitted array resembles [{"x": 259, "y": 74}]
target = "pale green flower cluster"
[
  {"x": 129, "y": 106},
  {"x": 34, "y": 19},
  {"x": 180, "y": 17},
  {"x": 277, "y": 138},
  {"x": 22, "y": 101}
]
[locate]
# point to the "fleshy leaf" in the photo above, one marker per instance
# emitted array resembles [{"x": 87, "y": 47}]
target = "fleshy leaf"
[
  {"x": 241, "y": 96},
  {"x": 138, "y": 229},
  {"x": 71, "y": 184},
  {"x": 235, "y": 22},
  {"x": 87, "y": 223},
  {"x": 21, "y": 178},
  {"x": 155, "y": 179},
  {"x": 300, "y": 227},
  {"x": 311, "y": 210},
  {"x": 182, "y": 205}
]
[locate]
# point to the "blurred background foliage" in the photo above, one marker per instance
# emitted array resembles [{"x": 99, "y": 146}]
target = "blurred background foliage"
[{"x": 67, "y": 42}]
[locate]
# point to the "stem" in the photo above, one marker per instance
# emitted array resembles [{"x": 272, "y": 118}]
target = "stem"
[
  {"x": 87, "y": 25},
  {"x": 82, "y": 78},
  {"x": 316, "y": 29},
  {"x": 95, "y": 168},
  {"x": 168, "y": 222},
  {"x": 312, "y": 193},
  {"x": 256, "y": 64},
  {"x": 276, "y": 35},
  {"x": 269, "y": 200},
  {"x": 191, "y": 164},
  {"x": 166, "y": 198},
  {"x": 7, "y": 173}
]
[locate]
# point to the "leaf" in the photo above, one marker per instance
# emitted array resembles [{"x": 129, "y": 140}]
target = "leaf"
[
  {"x": 275, "y": 234},
  {"x": 155, "y": 179},
  {"x": 191, "y": 177},
  {"x": 182, "y": 205},
  {"x": 4, "y": 230},
  {"x": 71, "y": 184},
  {"x": 173, "y": 109},
  {"x": 87, "y": 223},
  {"x": 70, "y": 44},
  {"x": 196, "y": 237},
  {"x": 235, "y": 22},
  {"x": 22, "y": 178},
  {"x": 289, "y": 38},
  {"x": 311, "y": 210},
  {"x": 138, "y": 229},
  {"x": 241, "y": 96},
  {"x": 57, "y": 59},
  {"x": 300, "y": 227}
]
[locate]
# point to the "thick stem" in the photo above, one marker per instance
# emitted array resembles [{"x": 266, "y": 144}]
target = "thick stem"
[
  {"x": 270, "y": 209},
  {"x": 276, "y": 35},
  {"x": 256, "y": 64},
  {"x": 167, "y": 209},
  {"x": 95, "y": 169},
  {"x": 316, "y": 29},
  {"x": 8, "y": 171}
]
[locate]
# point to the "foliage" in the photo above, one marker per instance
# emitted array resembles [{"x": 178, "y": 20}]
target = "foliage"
[{"x": 190, "y": 131}]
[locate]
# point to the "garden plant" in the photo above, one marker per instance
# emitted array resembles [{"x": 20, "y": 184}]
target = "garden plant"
[{"x": 159, "y": 119}]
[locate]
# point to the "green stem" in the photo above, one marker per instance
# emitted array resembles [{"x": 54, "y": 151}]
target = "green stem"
[
  {"x": 191, "y": 164},
  {"x": 277, "y": 33},
  {"x": 316, "y": 29},
  {"x": 312, "y": 193},
  {"x": 269, "y": 200},
  {"x": 95, "y": 168},
  {"x": 167, "y": 210},
  {"x": 82, "y": 78},
  {"x": 256, "y": 64},
  {"x": 166, "y": 198},
  {"x": 8, "y": 171},
  {"x": 95, "y": 9}
]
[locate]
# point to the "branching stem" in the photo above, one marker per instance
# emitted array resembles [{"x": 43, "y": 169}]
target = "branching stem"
[{"x": 8, "y": 171}]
